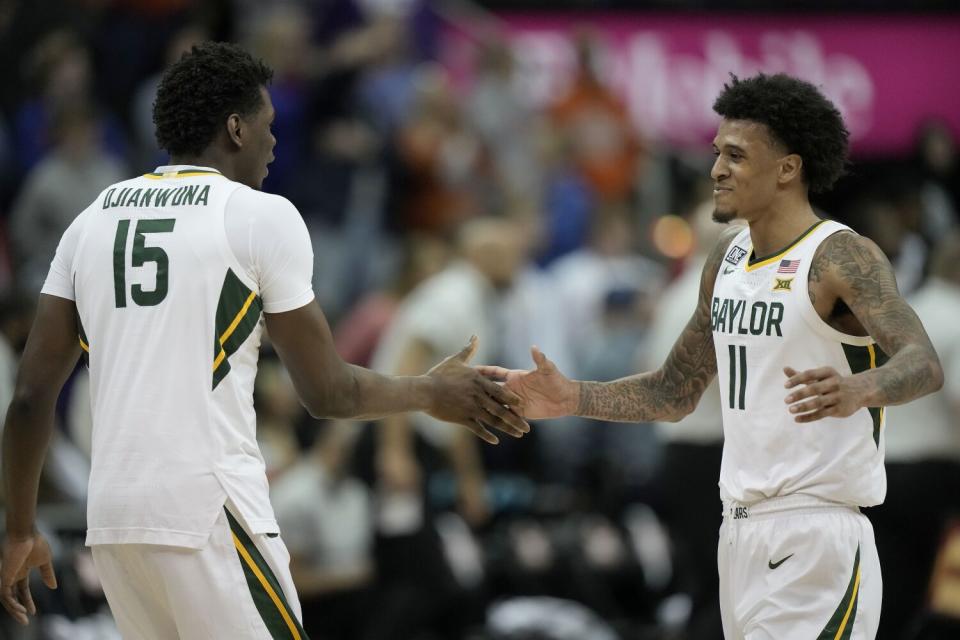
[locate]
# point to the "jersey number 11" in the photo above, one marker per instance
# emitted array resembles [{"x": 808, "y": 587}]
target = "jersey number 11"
[{"x": 738, "y": 391}]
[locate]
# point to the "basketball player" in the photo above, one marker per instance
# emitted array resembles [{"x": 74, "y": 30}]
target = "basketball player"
[
  {"x": 803, "y": 322},
  {"x": 165, "y": 278}
]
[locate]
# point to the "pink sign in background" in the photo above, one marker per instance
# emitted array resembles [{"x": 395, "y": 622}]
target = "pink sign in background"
[{"x": 887, "y": 74}]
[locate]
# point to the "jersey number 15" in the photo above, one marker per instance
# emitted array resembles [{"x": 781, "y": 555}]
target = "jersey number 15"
[{"x": 141, "y": 255}]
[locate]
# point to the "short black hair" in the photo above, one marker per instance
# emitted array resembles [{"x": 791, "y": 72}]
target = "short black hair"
[
  {"x": 199, "y": 91},
  {"x": 798, "y": 116}
]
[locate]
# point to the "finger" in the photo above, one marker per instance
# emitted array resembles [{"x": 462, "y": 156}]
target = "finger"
[
  {"x": 789, "y": 372},
  {"x": 492, "y": 372},
  {"x": 481, "y": 432},
  {"x": 823, "y": 387},
  {"x": 48, "y": 576},
  {"x": 500, "y": 393},
  {"x": 816, "y": 415},
  {"x": 467, "y": 352},
  {"x": 504, "y": 419},
  {"x": 10, "y": 603},
  {"x": 23, "y": 595},
  {"x": 814, "y": 404},
  {"x": 808, "y": 376}
]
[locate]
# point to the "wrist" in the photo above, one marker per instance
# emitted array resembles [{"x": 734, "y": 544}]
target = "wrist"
[
  {"x": 574, "y": 400},
  {"x": 423, "y": 392}
]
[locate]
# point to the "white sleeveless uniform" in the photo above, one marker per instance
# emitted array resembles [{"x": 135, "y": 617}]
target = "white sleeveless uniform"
[
  {"x": 170, "y": 320},
  {"x": 792, "y": 490}
]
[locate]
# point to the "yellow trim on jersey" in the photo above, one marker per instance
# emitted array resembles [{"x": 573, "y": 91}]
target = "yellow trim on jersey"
[
  {"x": 752, "y": 267},
  {"x": 266, "y": 585},
  {"x": 83, "y": 345},
  {"x": 853, "y": 599},
  {"x": 185, "y": 174},
  {"x": 233, "y": 327}
]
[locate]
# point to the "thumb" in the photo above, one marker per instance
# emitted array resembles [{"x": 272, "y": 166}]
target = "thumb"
[
  {"x": 467, "y": 352},
  {"x": 789, "y": 371},
  {"x": 542, "y": 362},
  {"x": 48, "y": 576}
]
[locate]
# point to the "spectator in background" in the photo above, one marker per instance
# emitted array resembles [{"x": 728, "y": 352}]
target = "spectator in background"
[
  {"x": 504, "y": 123},
  {"x": 466, "y": 296},
  {"x": 692, "y": 447},
  {"x": 325, "y": 515},
  {"x": 922, "y": 457},
  {"x": 360, "y": 330},
  {"x": 940, "y": 179},
  {"x": 609, "y": 262},
  {"x": 56, "y": 189},
  {"x": 605, "y": 146},
  {"x": 282, "y": 37},
  {"x": 443, "y": 164},
  {"x": 61, "y": 73},
  {"x": 278, "y": 413}
]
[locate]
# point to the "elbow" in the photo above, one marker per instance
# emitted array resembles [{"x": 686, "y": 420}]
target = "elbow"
[
  {"x": 326, "y": 406},
  {"x": 333, "y": 400},
  {"x": 682, "y": 408},
  {"x": 678, "y": 413}
]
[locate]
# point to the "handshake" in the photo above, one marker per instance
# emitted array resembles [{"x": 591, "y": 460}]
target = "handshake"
[{"x": 485, "y": 397}]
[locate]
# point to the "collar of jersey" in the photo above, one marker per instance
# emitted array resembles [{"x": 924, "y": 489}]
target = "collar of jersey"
[
  {"x": 769, "y": 259},
  {"x": 180, "y": 171}
]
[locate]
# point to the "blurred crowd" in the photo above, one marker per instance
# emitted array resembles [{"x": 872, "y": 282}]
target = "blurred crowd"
[{"x": 437, "y": 212}]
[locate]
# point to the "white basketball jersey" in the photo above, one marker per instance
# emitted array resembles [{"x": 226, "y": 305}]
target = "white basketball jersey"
[
  {"x": 763, "y": 321},
  {"x": 171, "y": 324}
]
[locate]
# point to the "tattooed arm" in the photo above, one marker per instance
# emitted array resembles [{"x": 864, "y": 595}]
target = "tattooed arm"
[
  {"x": 666, "y": 394},
  {"x": 853, "y": 269}
]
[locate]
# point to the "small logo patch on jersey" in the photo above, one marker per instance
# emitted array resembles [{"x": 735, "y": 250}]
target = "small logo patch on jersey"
[
  {"x": 728, "y": 270},
  {"x": 788, "y": 266},
  {"x": 782, "y": 284},
  {"x": 774, "y": 565},
  {"x": 735, "y": 255}
]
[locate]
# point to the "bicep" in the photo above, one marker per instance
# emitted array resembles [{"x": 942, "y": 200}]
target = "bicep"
[
  {"x": 304, "y": 343},
  {"x": 866, "y": 282}
]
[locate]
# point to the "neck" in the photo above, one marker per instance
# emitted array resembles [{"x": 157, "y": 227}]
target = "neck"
[
  {"x": 780, "y": 225},
  {"x": 209, "y": 158}
]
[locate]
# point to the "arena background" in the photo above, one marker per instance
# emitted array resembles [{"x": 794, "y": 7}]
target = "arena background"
[{"x": 561, "y": 150}]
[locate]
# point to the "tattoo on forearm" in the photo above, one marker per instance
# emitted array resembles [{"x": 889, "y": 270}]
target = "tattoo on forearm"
[
  {"x": 870, "y": 287},
  {"x": 675, "y": 389}
]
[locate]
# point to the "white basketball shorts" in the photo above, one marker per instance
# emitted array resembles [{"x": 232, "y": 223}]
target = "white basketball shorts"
[
  {"x": 237, "y": 587},
  {"x": 797, "y": 567}
]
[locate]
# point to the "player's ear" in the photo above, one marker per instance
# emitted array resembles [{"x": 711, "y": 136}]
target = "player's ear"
[
  {"x": 235, "y": 129},
  {"x": 791, "y": 166}
]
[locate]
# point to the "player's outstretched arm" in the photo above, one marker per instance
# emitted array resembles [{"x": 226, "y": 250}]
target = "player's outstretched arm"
[
  {"x": 48, "y": 359},
  {"x": 329, "y": 387},
  {"x": 856, "y": 269},
  {"x": 666, "y": 394}
]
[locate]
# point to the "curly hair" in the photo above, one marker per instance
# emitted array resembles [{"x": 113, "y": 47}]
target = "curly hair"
[
  {"x": 199, "y": 91},
  {"x": 798, "y": 116}
]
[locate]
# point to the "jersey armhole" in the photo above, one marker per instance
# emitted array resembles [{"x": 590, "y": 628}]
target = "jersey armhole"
[{"x": 807, "y": 311}]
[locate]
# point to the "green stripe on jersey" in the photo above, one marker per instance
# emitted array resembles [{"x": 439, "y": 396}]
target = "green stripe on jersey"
[
  {"x": 238, "y": 313},
  {"x": 860, "y": 359}
]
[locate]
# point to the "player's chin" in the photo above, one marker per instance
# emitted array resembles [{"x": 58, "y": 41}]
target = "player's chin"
[{"x": 724, "y": 216}]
